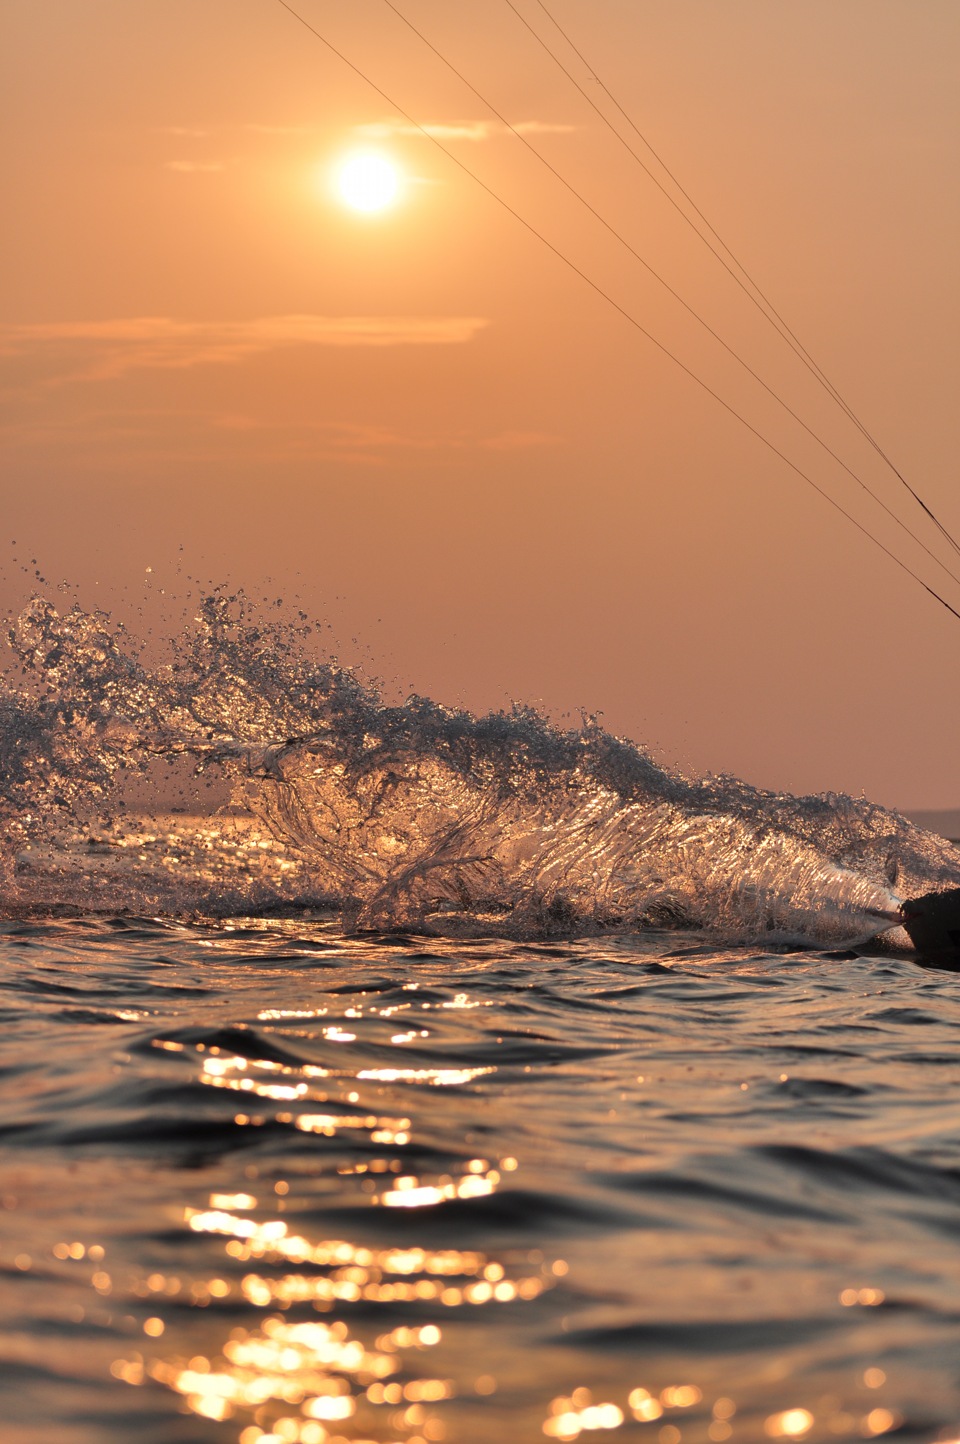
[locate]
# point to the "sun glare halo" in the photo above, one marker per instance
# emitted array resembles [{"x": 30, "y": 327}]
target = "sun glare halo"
[{"x": 367, "y": 181}]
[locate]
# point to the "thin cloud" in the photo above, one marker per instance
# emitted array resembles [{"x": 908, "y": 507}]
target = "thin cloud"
[
  {"x": 519, "y": 440},
  {"x": 477, "y": 130},
  {"x": 387, "y": 129},
  {"x": 351, "y": 436},
  {"x": 279, "y": 129},
  {"x": 187, "y": 132},
  {"x": 104, "y": 440},
  {"x": 545, "y": 127},
  {"x": 190, "y": 167},
  {"x": 106, "y": 350},
  {"x": 368, "y": 442},
  {"x": 365, "y": 443}
]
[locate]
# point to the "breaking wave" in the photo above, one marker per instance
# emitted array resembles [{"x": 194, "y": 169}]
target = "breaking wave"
[{"x": 416, "y": 816}]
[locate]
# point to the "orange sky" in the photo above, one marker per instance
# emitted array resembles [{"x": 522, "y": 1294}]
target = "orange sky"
[{"x": 426, "y": 426}]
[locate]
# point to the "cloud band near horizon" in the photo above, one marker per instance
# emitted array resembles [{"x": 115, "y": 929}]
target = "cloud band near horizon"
[
  {"x": 473, "y": 130},
  {"x": 110, "y": 348}
]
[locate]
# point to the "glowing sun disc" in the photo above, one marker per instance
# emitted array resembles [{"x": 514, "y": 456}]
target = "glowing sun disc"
[{"x": 368, "y": 181}]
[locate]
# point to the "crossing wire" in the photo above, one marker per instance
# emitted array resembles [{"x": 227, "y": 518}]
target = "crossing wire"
[
  {"x": 630, "y": 319},
  {"x": 760, "y": 299},
  {"x": 670, "y": 289}
]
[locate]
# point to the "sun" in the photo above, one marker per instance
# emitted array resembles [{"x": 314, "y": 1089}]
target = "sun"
[{"x": 367, "y": 181}]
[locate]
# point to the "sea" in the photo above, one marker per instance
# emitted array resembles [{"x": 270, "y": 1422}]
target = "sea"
[{"x": 378, "y": 1072}]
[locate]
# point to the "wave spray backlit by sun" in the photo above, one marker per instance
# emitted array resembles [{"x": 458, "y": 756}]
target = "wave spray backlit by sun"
[{"x": 413, "y": 816}]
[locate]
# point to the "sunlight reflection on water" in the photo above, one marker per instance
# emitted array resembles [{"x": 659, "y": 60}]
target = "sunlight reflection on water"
[
  {"x": 554, "y": 1214},
  {"x": 317, "y": 1369}
]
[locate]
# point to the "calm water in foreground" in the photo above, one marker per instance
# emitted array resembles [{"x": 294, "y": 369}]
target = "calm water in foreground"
[{"x": 265, "y": 1182}]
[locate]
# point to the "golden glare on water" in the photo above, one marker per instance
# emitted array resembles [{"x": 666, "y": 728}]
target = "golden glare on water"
[
  {"x": 334, "y": 1380},
  {"x": 367, "y": 181},
  {"x": 866, "y": 1298},
  {"x": 408, "y": 1192},
  {"x": 437, "y": 1077},
  {"x": 790, "y": 1424},
  {"x": 569, "y": 1417},
  {"x": 313, "y": 1381}
]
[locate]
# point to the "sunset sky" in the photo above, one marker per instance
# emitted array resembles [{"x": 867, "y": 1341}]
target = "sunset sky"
[{"x": 422, "y": 422}]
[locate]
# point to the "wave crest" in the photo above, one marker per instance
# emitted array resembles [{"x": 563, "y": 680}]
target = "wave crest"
[{"x": 414, "y": 816}]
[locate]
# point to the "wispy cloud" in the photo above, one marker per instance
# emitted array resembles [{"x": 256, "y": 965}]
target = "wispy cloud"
[
  {"x": 116, "y": 440},
  {"x": 368, "y": 439},
  {"x": 363, "y": 443},
  {"x": 189, "y": 167},
  {"x": 279, "y": 129},
  {"x": 519, "y": 440},
  {"x": 544, "y": 127},
  {"x": 189, "y": 132},
  {"x": 105, "y": 350},
  {"x": 475, "y": 130}
]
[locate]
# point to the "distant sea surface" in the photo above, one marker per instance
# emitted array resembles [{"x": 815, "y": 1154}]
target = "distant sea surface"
[{"x": 943, "y": 820}]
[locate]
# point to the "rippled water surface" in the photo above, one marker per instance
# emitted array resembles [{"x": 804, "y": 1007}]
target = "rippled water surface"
[{"x": 266, "y": 1181}]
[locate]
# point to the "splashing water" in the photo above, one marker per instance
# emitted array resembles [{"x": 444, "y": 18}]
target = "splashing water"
[{"x": 414, "y": 816}]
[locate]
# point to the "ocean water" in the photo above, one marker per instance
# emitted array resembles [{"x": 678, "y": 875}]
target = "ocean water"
[{"x": 449, "y": 1078}]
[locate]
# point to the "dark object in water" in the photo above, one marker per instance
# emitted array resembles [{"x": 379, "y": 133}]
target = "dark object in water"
[{"x": 933, "y": 922}]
